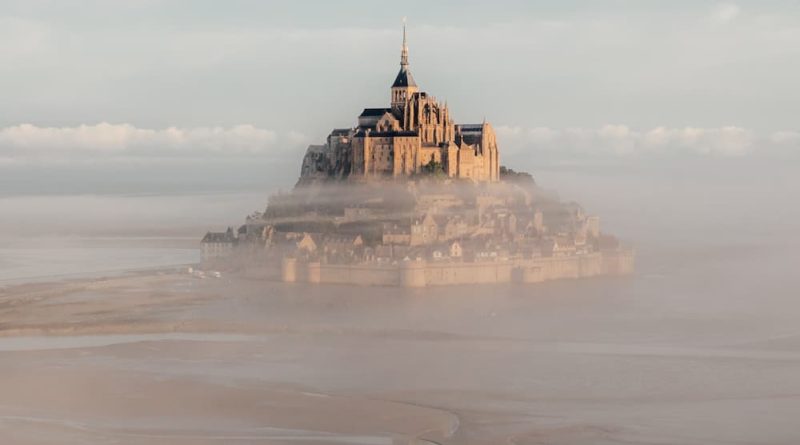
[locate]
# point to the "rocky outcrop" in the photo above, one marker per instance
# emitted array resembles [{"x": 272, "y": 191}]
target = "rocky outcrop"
[{"x": 315, "y": 164}]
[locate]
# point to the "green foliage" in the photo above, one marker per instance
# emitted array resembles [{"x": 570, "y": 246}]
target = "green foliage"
[
  {"x": 435, "y": 169},
  {"x": 507, "y": 174}
]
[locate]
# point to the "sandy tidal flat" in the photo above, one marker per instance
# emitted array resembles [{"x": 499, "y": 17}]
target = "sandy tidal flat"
[{"x": 166, "y": 358}]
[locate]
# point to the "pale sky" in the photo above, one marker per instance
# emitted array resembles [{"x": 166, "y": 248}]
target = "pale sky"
[{"x": 151, "y": 81}]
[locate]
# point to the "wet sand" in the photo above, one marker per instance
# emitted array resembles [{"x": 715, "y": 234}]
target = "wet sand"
[{"x": 673, "y": 355}]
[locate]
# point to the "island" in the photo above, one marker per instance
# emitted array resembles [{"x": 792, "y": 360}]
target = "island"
[{"x": 409, "y": 198}]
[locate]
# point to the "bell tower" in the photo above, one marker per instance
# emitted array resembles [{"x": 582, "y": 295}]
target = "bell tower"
[{"x": 404, "y": 85}]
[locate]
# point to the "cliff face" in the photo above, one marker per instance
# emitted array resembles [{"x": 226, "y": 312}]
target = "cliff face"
[
  {"x": 315, "y": 163},
  {"x": 329, "y": 161}
]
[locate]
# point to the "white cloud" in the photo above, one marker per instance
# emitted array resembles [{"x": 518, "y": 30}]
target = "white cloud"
[
  {"x": 621, "y": 140},
  {"x": 103, "y": 140}
]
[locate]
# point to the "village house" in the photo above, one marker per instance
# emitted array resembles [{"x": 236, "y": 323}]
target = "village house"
[
  {"x": 218, "y": 244},
  {"x": 558, "y": 246},
  {"x": 394, "y": 233},
  {"x": 451, "y": 227},
  {"x": 456, "y": 250},
  {"x": 308, "y": 243},
  {"x": 341, "y": 244},
  {"x": 425, "y": 231}
]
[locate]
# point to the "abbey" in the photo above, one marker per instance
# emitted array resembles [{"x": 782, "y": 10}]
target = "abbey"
[
  {"x": 409, "y": 198},
  {"x": 414, "y": 135}
]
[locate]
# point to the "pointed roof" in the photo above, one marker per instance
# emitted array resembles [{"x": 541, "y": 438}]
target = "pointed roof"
[
  {"x": 220, "y": 237},
  {"x": 404, "y": 77}
]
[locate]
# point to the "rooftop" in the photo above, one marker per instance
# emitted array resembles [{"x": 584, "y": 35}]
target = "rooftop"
[{"x": 404, "y": 78}]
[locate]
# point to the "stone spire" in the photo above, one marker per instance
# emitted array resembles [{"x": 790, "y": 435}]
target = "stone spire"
[
  {"x": 404, "y": 52},
  {"x": 403, "y": 87},
  {"x": 404, "y": 78}
]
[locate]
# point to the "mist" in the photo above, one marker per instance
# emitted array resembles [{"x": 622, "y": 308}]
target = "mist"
[
  {"x": 129, "y": 133},
  {"x": 704, "y": 334}
]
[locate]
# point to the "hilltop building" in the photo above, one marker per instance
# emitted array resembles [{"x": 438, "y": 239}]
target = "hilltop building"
[
  {"x": 414, "y": 135},
  {"x": 459, "y": 219}
]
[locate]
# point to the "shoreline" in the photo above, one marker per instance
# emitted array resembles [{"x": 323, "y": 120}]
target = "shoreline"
[
  {"x": 104, "y": 275},
  {"x": 45, "y": 259}
]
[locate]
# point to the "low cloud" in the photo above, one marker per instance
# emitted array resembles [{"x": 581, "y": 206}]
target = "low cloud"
[
  {"x": 32, "y": 143},
  {"x": 105, "y": 142},
  {"x": 620, "y": 140}
]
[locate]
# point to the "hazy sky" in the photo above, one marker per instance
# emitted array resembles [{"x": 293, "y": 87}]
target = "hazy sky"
[{"x": 154, "y": 82}]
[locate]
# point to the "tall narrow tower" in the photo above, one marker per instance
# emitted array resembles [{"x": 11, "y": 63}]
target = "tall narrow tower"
[{"x": 404, "y": 85}]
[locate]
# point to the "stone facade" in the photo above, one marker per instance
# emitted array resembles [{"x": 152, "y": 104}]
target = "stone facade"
[
  {"x": 216, "y": 245},
  {"x": 414, "y": 135},
  {"x": 426, "y": 273}
]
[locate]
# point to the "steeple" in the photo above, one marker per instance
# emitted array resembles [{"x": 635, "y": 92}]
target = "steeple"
[
  {"x": 404, "y": 85},
  {"x": 404, "y": 52}
]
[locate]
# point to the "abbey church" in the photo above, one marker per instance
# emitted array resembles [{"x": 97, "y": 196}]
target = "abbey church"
[{"x": 414, "y": 135}]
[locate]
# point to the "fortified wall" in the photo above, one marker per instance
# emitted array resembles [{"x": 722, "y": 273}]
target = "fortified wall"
[{"x": 421, "y": 273}]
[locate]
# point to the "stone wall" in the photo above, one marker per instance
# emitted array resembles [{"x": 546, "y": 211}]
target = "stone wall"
[{"x": 425, "y": 273}]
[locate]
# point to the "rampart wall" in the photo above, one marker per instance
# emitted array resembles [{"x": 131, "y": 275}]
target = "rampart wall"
[{"x": 428, "y": 273}]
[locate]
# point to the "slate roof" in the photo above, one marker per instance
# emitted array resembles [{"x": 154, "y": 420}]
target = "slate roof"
[
  {"x": 404, "y": 79},
  {"x": 375, "y": 112},
  {"x": 220, "y": 237}
]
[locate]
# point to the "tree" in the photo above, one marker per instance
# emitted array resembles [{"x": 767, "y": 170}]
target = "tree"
[
  {"x": 433, "y": 168},
  {"x": 507, "y": 174}
]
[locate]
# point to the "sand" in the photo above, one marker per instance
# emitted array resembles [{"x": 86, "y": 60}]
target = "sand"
[
  {"x": 168, "y": 358},
  {"x": 74, "y": 358}
]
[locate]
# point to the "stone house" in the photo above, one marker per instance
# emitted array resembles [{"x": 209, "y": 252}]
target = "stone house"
[
  {"x": 308, "y": 243},
  {"x": 558, "y": 246},
  {"x": 425, "y": 231},
  {"x": 342, "y": 244},
  {"x": 456, "y": 251},
  {"x": 451, "y": 227},
  {"x": 396, "y": 234},
  {"x": 218, "y": 244}
]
